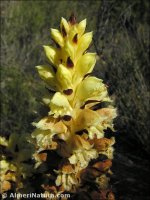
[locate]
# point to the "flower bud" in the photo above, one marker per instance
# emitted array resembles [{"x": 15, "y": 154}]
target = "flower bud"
[{"x": 57, "y": 37}]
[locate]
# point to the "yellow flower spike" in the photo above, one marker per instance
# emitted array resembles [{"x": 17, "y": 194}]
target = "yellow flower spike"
[
  {"x": 84, "y": 66},
  {"x": 52, "y": 54},
  {"x": 64, "y": 26},
  {"x": 47, "y": 74},
  {"x": 57, "y": 37},
  {"x": 59, "y": 105},
  {"x": 64, "y": 77},
  {"x": 81, "y": 27},
  {"x": 75, "y": 126},
  {"x": 84, "y": 43}
]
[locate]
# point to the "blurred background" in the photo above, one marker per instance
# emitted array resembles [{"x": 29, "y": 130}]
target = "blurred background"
[{"x": 121, "y": 41}]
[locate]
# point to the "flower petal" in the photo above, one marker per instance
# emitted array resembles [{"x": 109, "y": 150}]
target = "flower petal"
[
  {"x": 85, "y": 118},
  {"x": 107, "y": 114},
  {"x": 91, "y": 88},
  {"x": 84, "y": 43},
  {"x": 59, "y": 105},
  {"x": 81, "y": 27},
  {"x": 64, "y": 26},
  {"x": 84, "y": 66},
  {"x": 60, "y": 128}
]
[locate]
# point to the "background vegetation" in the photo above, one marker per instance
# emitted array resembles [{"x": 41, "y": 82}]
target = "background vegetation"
[{"x": 121, "y": 40}]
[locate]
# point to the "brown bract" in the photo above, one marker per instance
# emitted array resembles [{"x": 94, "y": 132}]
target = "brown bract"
[
  {"x": 103, "y": 166},
  {"x": 102, "y": 144}
]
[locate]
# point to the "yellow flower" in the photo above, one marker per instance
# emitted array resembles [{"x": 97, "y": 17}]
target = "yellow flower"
[
  {"x": 64, "y": 26},
  {"x": 80, "y": 109},
  {"x": 83, "y": 156},
  {"x": 89, "y": 90},
  {"x": 59, "y": 105},
  {"x": 44, "y": 139},
  {"x": 85, "y": 65},
  {"x": 64, "y": 77},
  {"x": 57, "y": 37},
  {"x": 47, "y": 128},
  {"x": 48, "y": 75},
  {"x": 84, "y": 43},
  {"x": 72, "y": 65},
  {"x": 95, "y": 122},
  {"x": 83, "y": 152},
  {"x": 52, "y": 54}
]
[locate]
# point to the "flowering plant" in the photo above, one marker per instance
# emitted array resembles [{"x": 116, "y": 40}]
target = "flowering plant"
[{"x": 71, "y": 151}]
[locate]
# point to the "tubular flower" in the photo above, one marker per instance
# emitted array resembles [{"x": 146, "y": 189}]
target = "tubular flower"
[{"x": 80, "y": 111}]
